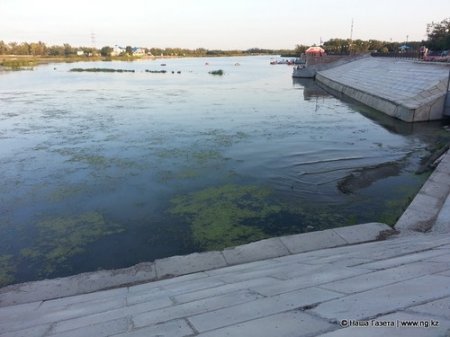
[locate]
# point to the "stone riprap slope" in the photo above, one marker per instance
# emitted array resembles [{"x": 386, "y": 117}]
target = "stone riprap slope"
[{"x": 407, "y": 90}]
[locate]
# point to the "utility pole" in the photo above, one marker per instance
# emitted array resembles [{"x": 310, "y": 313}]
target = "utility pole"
[
  {"x": 351, "y": 38},
  {"x": 93, "y": 39}
]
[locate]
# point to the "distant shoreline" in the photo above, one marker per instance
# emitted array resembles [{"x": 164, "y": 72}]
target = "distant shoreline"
[
  {"x": 17, "y": 62},
  {"x": 22, "y": 62}
]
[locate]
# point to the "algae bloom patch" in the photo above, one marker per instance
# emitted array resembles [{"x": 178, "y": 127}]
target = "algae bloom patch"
[
  {"x": 219, "y": 216},
  {"x": 60, "y": 238},
  {"x": 7, "y": 270}
]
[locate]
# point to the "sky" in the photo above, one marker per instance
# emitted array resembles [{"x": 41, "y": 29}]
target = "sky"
[{"x": 215, "y": 24}]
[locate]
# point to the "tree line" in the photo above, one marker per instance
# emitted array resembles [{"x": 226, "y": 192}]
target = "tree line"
[
  {"x": 438, "y": 38},
  {"x": 41, "y": 49},
  {"x": 66, "y": 50}
]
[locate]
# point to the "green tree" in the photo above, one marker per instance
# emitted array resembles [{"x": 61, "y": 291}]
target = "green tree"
[
  {"x": 337, "y": 46},
  {"x": 376, "y": 45},
  {"x": 129, "y": 50},
  {"x": 68, "y": 50},
  {"x": 3, "y": 48},
  {"x": 439, "y": 35},
  {"x": 106, "y": 51},
  {"x": 360, "y": 46},
  {"x": 55, "y": 51},
  {"x": 300, "y": 49},
  {"x": 38, "y": 48}
]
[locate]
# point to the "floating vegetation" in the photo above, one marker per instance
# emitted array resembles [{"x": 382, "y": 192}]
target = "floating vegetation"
[
  {"x": 222, "y": 138},
  {"x": 397, "y": 204},
  {"x": 96, "y": 160},
  {"x": 65, "y": 192},
  {"x": 187, "y": 173},
  {"x": 202, "y": 157},
  {"x": 18, "y": 64},
  {"x": 218, "y": 214},
  {"x": 102, "y": 70},
  {"x": 171, "y": 153},
  {"x": 219, "y": 72},
  {"x": 7, "y": 270},
  {"x": 231, "y": 215},
  {"x": 156, "y": 71},
  {"x": 60, "y": 238}
]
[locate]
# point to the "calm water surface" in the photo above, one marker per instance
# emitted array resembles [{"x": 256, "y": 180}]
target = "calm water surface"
[{"x": 105, "y": 170}]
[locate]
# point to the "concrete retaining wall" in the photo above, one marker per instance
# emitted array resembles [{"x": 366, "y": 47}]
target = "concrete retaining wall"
[
  {"x": 189, "y": 264},
  {"x": 447, "y": 100},
  {"x": 406, "y": 90},
  {"x": 424, "y": 210},
  {"x": 315, "y": 64}
]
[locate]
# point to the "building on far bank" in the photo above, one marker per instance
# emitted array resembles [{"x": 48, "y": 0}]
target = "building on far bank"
[
  {"x": 135, "y": 51},
  {"x": 138, "y": 51},
  {"x": 117, "y": 50}
]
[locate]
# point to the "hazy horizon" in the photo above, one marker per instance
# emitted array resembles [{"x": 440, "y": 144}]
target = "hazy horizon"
[{"x": 223, "y": 25}]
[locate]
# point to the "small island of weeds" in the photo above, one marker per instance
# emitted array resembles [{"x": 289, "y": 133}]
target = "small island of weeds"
[
  {"x": 156, "y": 71},
  {"x": 17, "y": 64},
  {"x": 101, "y": 70},
  {"x": 216, "y": 72}
]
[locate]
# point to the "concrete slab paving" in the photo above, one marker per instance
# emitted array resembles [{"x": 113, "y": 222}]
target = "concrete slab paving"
[
  {"x": 399, "y": 320},
  {"x": 442, "y": 224},
  {"x": 364, "y": 233},
  {"x": 312, "y": 241},
  {"x": 212, "y": 304},
  {"x": 386, "y": 299},
  {"x": 303, "y": 294},
  {"x": 102, "y": 329},
  {"x": 260, "y": 308},
  {"x": 260, "y": 250},
  {"x": 385, "y": 277},
  {"x": 180, "y": 265},
  {"x": 438, "y": 308},
  {"x": 288, "y": 324},
  {"x": 316, "y": 278},
  {"x": 175, "y": 328},
  {"x": 31, "y": 332},
  {"x": 446, "y": 273}
]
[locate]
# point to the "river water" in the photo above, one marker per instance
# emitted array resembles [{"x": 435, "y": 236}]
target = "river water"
[{"x": 105, "y": 170}]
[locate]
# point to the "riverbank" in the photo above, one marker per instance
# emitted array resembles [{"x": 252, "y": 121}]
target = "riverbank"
[
  {"x": 26, "y": 60},
  {"x": 403, "y": 89},
  {"x": 15, "y": 62}
]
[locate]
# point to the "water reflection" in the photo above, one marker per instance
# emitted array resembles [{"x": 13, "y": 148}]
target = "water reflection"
[{"x": 311, "y": 89}]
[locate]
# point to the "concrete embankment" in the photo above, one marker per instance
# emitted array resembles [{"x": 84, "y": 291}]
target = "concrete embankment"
[
  {"x": 430, "y": 209},
  {"x": 407, "y": 90},
  {"x": 182, "y": 265}
]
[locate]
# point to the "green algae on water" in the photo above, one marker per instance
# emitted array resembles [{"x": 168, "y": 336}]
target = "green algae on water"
[
  {"x": 7, "y": 270},
  {"x": 231, "y": 215},
  {"x": 61, "y": 238},
  {"x": 218, "y": 214}
]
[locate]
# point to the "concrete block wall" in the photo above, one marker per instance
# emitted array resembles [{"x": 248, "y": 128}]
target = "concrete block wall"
[
  {"x": 447, "y": 99},
  {"x": 405, "y": 90}
]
